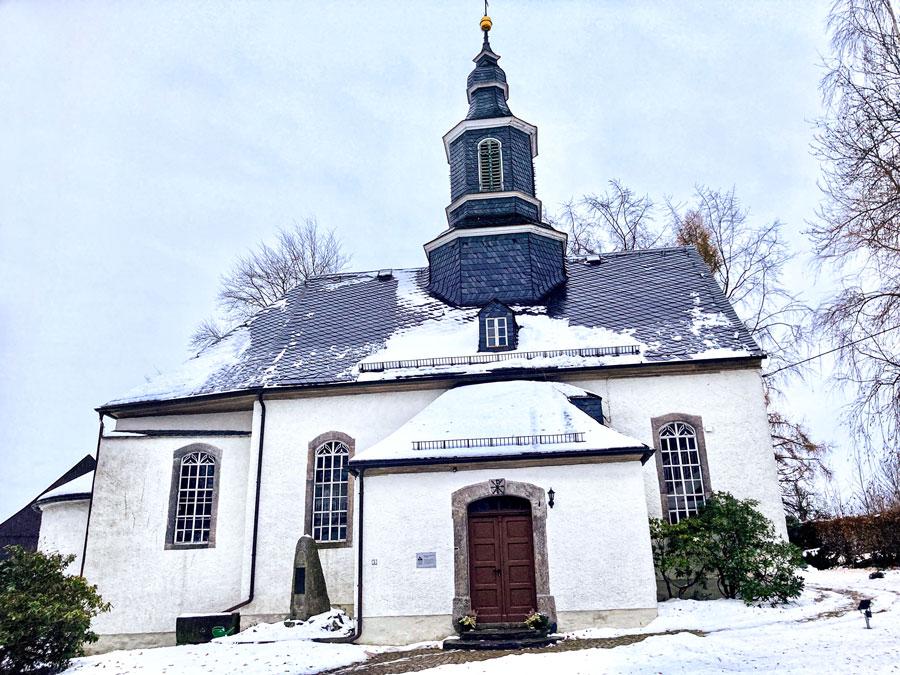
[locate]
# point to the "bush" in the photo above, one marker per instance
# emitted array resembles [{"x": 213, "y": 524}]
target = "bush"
[
  {"x": 45, "y": 615},
  {"x": 732, "y": 542},
  {"x": 857, "y": 541}
]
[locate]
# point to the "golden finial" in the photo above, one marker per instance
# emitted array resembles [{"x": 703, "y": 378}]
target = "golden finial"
[{"x": 485, "y": 20}]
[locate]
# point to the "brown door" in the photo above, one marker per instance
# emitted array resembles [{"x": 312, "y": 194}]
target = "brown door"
[{"x": 501, "y": 559}]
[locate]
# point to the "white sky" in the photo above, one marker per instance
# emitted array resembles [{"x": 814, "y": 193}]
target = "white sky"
[{"x": 144, "y": 145}]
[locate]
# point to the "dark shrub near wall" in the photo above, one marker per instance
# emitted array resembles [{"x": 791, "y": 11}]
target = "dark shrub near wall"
[
  {"x": 730, "y": 545},
  {"x": 45, "y": 614},
  {"x": 857, "y": 541}
]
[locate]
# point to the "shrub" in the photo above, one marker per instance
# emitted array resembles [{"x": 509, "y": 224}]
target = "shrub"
[
  {"x": 858, "y": 541},
  {"x": 677, "y": 551},
  {"x": 732, "y": 542},
  {"x": 45, "y": 615}
]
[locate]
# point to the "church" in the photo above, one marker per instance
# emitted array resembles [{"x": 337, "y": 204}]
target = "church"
[{"x": 488, "y": 434}]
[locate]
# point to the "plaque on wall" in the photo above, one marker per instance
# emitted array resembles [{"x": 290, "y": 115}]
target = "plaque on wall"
[{"x": 424, "y": 560}]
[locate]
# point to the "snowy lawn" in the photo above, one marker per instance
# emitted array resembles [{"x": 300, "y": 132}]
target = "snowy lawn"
[
  {"x": 814, "y": 635},
  {"x": 264, "y": 649},
  {"x": 820, "y": 633}
]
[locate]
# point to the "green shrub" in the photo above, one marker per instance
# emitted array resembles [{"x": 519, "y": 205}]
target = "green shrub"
[
  {"x": 677, "y": 550},
  {"x": 45, "y": 615},
  {"x": 731, "y": 542}
]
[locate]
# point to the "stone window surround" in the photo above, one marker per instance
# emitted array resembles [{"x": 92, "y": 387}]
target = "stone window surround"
[
  {"x": 314, "y": 444},
  {"x": 177, "y": 456},
  {"x": 460, "y": 500},
  {"x": 695, "y": 421}
]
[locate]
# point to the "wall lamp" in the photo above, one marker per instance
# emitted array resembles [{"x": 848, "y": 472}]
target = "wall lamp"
[{"x": 550, "y": 496}]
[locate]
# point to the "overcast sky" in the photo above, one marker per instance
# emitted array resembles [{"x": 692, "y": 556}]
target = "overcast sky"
[{"x": 144, "y": 145}]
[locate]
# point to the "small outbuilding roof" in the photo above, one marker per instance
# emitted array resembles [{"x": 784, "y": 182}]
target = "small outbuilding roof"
[
  {"x": 500, "y": 420},
  {"x": 75, "y": 489},
  {"x": 654, "y": 306}
]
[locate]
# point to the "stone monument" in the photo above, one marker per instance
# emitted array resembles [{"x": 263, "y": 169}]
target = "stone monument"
[{"x": 309, "y": 595}]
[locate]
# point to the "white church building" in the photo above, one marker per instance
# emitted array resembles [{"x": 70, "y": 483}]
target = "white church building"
[{"x": 489, "y": 433}]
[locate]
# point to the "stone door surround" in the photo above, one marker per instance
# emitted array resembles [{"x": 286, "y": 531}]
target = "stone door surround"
[{"x": 460, "y": 500}]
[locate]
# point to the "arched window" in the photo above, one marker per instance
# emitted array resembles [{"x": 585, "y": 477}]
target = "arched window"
[
  {"x": 490, "y": 165},
  {"x": 682, "y": 482},
  {"x": 330, "y": 492},
  {"x": 193, "y": 497}
]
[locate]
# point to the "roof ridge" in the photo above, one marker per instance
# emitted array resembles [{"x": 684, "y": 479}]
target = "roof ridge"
[
  {"x": 633, "y": 252},
  {"x": 341, "y": 275}
]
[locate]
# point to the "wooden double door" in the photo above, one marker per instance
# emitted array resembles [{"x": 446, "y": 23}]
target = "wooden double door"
[{"x": 501, "y": 559}]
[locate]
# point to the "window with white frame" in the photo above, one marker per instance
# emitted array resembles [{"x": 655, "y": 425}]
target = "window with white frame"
[
  {"x": 497, "y": 334},
  {"x": 490, "y": 165},
  {"x": 682, "y": 471},
  {"x": 194, "y": 505},
  {"x": 330, "y": 492}
]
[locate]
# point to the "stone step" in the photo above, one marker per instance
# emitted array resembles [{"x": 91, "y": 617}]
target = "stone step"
[
  {"x": 501, "y": 634},
  {"x": 499, "y": 643}
]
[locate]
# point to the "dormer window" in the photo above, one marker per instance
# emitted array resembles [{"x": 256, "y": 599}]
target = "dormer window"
[
  {"x": 496, "y": 328},
  {"x": 497, "y": 335},
  {"x": 490, "y": 165}
]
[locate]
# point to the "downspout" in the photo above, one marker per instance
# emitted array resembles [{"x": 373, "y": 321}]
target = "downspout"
[
  {"x": 357, "y": 631},
  {"x": 259, "y": 461},
  {"x": 87, "y": 527}
]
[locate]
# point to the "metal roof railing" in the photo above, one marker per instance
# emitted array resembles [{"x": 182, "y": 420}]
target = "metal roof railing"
[
  {"x": 495, "y": 441},
  {"x": 492, "y": 357}
]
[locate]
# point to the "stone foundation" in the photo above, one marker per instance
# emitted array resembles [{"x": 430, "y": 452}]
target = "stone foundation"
[
  {"x": 605, "y": 618},
  {"x": 405, "y": 630}
]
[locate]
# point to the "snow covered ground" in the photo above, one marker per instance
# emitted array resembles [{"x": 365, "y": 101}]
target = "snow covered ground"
[
  {"x": 813, "y": 635},
  {"x": 820, "y": 633}
]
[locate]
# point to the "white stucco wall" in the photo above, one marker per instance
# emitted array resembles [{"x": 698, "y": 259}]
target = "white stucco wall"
[
  {"x": 290, "y": 426},
  {"x": 730, "y": 402},
  {"x": 63, "y": 524},
  {"x": 230, "y": 421},
  {"x": 598, "y": 543},
  {"x": 147, "y": 584}
]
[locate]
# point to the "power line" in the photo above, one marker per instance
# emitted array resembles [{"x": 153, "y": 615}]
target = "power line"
[{"x": 831, "y": 351}]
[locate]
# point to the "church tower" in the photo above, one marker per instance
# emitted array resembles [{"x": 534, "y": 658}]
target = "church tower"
[{"x": 496, "y": 247}]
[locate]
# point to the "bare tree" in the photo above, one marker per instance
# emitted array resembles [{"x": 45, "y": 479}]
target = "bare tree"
[
  {"x": 747, "y": 260},
  {"x": 266, "y": 274},
  {"x": 618, "y": 220},
  {"x": 800, "y": 461},
  {"x": 857, "y": 232}
]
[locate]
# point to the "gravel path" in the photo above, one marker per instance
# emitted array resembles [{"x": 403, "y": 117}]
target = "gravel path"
[{"x": 390, "y": 663}]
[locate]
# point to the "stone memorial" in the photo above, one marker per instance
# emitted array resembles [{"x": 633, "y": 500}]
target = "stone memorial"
[{"x": 309, "y": 595}]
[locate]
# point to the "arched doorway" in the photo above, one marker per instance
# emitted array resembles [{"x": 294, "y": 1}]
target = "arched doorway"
[{"x": 501, "y": 559}]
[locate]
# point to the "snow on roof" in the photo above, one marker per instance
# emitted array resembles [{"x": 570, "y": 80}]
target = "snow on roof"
[
  {"x": 517, "y": 408},
  {"x": 77, "y": 486},
  {"x": 662, "y": 305},
  {"x": 195, "y": 372}
]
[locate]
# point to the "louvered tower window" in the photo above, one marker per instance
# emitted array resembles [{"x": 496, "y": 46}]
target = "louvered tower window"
[{"x": 490, "y": 165}]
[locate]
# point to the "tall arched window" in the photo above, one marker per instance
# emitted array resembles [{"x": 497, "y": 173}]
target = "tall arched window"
[
  {"x": 682, "y": 482},
  {"x": 330, "y": 492},
  {"x": 490, "y": 165},
  {"x": 193, "y": 497}
]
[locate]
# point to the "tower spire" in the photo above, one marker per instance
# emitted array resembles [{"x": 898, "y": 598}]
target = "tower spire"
[{"x": 497, "y": 246}]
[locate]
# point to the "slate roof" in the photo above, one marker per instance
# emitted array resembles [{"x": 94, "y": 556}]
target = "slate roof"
[
  {"x": 662, "y": 302},
  {"x": 487, "y": 102}
]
